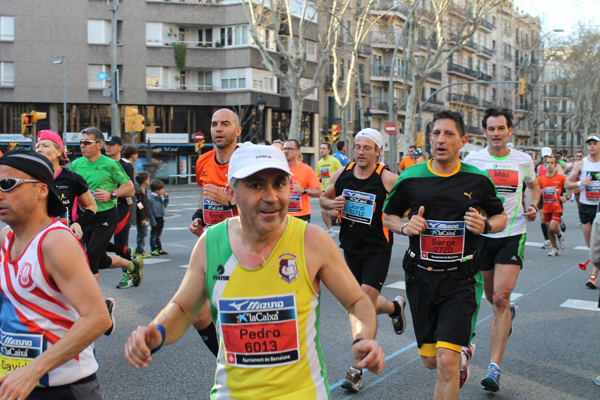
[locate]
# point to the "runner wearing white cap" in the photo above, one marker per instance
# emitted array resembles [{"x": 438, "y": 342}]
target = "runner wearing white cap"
[{"x": 268, "y": 261}]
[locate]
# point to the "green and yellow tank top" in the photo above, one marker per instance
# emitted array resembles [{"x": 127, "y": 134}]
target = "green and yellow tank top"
[{"x": 267, "y": 320}]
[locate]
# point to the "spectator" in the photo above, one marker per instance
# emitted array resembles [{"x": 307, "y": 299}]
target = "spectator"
[
  {"x": 279, "y": 144},
  {"x": 341, "y": 153},
  {"x": 143, "y": 211},
  {"x": 157, "y": 203}
]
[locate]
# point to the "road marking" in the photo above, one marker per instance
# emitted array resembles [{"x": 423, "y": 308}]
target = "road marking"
[
  {"x": 581, "y": 305},
  {"x": 186, "y": 204},
  {"x": 184, "y": 266},
  {"x": 177, "y": 245},
  {"x": 188, "y": 208},
  {"x": 534, "y": 244},
  {"x": 402, "y": 286},
  {"x": 177, "y": 228},
  {"x": 149, "y": 261},
  {"x": 183, "y": 197},
  {"x": 581, "y": 248}
]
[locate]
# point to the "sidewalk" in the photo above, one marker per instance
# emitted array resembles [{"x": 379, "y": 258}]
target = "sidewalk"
[{"x": 192, "y": 187}]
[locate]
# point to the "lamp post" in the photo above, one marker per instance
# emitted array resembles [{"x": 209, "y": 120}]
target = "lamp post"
[
  {"x": 260, "y": 106},
  {"x": 368, "y": 114},
  {"x": 63, "y": 60},
  {"x": 534, "y": 46}
]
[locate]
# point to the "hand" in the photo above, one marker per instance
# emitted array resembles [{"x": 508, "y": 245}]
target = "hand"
[
  {"x": 76, "y": 229},
  {"x": 102, "y": 195},
  {"x": 474, "y": 221},
  {"x": 296, "y": 188},
  {"x": 586, "y": 181},
  {"x": 196, "y": 227},
  {"x": 140, "y": 343},
  {"x": 339, "y": 203},
  {"x": 19, "y": 383},
  {"x": 417, "y": 224},
  {"x": 144, "y": 222},
  {"x": 143, "y": 190},
  {"x": 531, "y": 213},
  {"x": 166, "y": 195},
  {"x": 563, "y": 199},
  {"x": 369, "y": 355},
  {"x": 216, "y": 194}
]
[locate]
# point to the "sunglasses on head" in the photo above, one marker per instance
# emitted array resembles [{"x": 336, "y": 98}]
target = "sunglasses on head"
[
  {"x": 7, "y": 184},
  {"x": 86, "y": 142}
]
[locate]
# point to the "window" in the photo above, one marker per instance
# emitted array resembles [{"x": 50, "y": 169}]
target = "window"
[
  {"x": 553, "y": 75},
  {"x": 311, "y": 51},
  {"x": 205, "y": 81},
  {"x": 7, "y": 73},
  {"x": 257, "y": 84},
  {"x": 98, "y": 31},
  {"x": 94, "y": 71},
  {"x": 205, "y": 37},
  {"x": 153, "y": 32},
  {"x": 7, "y": 28},
  {"x": 269, "y": 84},
  {"x": 153, "y": 75},
  {"x": 233, "y": 83},
  {"x": 233, "y": 36}
]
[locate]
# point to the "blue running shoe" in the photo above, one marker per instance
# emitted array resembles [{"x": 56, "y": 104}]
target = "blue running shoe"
[{"x": 491, "y": 382}]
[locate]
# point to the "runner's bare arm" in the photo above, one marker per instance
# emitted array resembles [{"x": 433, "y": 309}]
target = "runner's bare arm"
[
  {"x": 476, "y": 223},
  {"x": 67, "y": 268},
  {"x": 534, "y": 191},
  {"x": 389, "y": 179},
  {"x": 87, "y": 201},
  {"x": 560, "y": 169},
  {"x": 196, "y": 227},
  {"x": 126, "y": 190},
  {"x": 571, "y": 182},
  {"x": 325, "y": 263},
  {"x": 178, "y": 314},
  {"x": 328, "y": 199},
  {"x": 216, "y": 194}
]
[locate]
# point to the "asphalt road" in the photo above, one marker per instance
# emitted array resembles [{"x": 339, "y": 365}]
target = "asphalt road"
[{"x": 551, "y": 355}]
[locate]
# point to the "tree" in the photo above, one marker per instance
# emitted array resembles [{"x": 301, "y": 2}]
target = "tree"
[{"x": 292, "y": 21}]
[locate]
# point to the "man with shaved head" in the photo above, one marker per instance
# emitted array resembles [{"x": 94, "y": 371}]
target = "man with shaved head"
[{"x": 211, "y": 176}]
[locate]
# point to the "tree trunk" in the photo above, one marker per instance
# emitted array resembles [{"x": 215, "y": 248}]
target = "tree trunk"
[
  {"x": 296, "y": 118},
  {"x": 343, "y": 123},
  {"x": 410, "y": 121}
]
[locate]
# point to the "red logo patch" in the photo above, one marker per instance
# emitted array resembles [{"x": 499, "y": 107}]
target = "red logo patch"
[{"x": 24, "y": 275}]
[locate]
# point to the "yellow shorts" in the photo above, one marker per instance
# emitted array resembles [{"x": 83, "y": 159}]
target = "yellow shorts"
[{"x": 430, "y": 349}]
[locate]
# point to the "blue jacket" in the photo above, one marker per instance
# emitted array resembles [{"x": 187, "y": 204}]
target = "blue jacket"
[{"x": 157, "y": 206}]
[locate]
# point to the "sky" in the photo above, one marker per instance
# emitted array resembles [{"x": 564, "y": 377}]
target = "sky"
[{"x": 561, "y": 14}]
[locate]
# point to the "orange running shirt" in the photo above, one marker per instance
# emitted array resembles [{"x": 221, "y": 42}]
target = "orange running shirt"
[
  {"x": 552, "y": 188},
  {"x": 306, "y": 177},
  {"x": 209, "y": 171}
]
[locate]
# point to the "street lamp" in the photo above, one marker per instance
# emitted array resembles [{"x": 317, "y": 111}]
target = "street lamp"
[
  {"x": 260, "y": 106},
  {"x": 534, "y": 46},
  {"x": 63, "y": 60},
  {"x": 368, "y": 114}
]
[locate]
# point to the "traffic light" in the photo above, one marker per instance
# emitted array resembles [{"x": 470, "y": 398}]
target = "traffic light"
[
  {"x": 420, "y": 139},
  {"x": 523, "y": 84},
  {"x": 335, "y": 133},
  {"x": 138, "y": 123},
  {"x": 129, "y": 115},
  {"x": 327, "y": 138},
  {"x": 26, "y": 122},
  {"x": 199, "y": 146}
]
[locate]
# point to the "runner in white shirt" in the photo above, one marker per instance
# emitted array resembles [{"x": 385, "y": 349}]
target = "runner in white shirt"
[
  {"x": 501, "y": 254},
  {"x": 588, "y": 172}
]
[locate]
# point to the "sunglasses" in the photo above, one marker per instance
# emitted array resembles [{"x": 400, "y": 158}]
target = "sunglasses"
[
  {"x": 86, "y": 142},
  {"x": 8, "y": 184}
]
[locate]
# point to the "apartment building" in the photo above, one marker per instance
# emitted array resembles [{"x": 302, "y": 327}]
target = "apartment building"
[{"x": 222, "y": 68}]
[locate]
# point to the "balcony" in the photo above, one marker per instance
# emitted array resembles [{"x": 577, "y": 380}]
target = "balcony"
[
  {"x": 389, "y": 6},
  {"x": 473, "y": 130},
  {"x": 508, "y": 56},
  {"x": 381, "y": 70},
  {"x": 523, "y": 107},
  {"x": 485, "y": 52},
  {"x": 365, "y": 88},
  {"x": 381, "y": 103},
  {"x": 471, "y": 46},
  {"x": 486, "y": 25},
  {"x": 433, "y": 105},
  {"x": 463, "y": 99},
  {"x": 386, "y": 40},
  {"x": 486, "y": 104},
  {"x": 462, "y": 71},
  {"x": 423, "y": 43},
  {"x": 484, "y": 77},
  {"x": 436, "y": 76},
  {"x": 185, "y": 87},
  {"x": 364, "y": 49}
]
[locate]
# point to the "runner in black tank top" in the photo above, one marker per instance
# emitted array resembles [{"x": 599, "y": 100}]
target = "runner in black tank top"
[{"x": 358, "y": 192}]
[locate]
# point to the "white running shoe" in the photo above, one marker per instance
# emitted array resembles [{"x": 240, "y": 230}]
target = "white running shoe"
[
  {"x": 547, "y": 245},
  {"x": 562, "y": 242},
  {"x": 554, "y": 253}
]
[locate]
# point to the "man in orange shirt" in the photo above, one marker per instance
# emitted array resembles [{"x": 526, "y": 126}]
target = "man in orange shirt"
[
  {"x": 552, "y": 185},
  {"x": 414, "y": 157},
  {"x": 303, "y": 183}
]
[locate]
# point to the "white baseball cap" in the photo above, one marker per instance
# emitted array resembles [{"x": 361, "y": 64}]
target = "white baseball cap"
[
  {"x": 372, "y": 134},
  {"x": 593, "y": 137},
  {"x": 546, "y": 151},
  {"x": 250, "y": 159}
]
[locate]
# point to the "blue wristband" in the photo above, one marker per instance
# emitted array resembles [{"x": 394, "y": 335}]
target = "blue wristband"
[{"x": 161, "y": 329}]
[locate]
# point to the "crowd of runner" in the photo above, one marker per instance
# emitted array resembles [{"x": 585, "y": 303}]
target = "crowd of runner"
[{"x": 465, "y": 220}]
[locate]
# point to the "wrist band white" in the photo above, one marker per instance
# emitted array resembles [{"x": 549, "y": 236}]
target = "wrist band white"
[{"x": 579, "y": 183}]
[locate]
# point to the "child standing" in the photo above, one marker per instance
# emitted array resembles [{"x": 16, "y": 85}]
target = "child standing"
[
  {"x": 158, "y": 203},
  {"x": 143, "y": 211}
]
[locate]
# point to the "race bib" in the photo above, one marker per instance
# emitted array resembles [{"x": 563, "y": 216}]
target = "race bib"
[
  {"x": 324, "y": 171},
  {"x": 213, "y": 213},
  {"x": 18, "y": 350},
  {"x": 443, "y": 241},
  {"x": 505, "y": 176},
  {"x": 549, "y": 195},
  {"x": 359, "y": 206},
  {"x": 260, "y": 332},
  {"x": 592, "y": 193},
  {"x": 295, "y": 203}
]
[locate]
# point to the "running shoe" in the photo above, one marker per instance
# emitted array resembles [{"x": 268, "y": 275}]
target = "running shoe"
[
  {"x": 126, "y": 281},
  {"x": 136, "y": 274},
  {"x": 554, "y": 253},
  {"x": 597, "y": 381},
  {"x": 562, "y": 242},
  {"x": 591, "y": 283},
  {"x": 513, "y": 312},
  {"x": 162, "y": 252},
  {"x": 547, "y": 245},
  {"x": 563, "y": 224},
  {"x": 399, "y": 321},
  {"x": 112, "y": 306},
  {"x": 331, "y": 232},
  {"x": 491, "y": 382},
  {"x": 353, "y": 381},
  {"x": 143, "y": 255},
  {"x": 155, "y": 253},
  {"x": 467, "y": 354}
]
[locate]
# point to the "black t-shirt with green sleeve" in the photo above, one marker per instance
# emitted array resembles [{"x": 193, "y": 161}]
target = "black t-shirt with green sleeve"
[
  {"x": 446, "y": 198},
  {"x": 104, "y": 173}
]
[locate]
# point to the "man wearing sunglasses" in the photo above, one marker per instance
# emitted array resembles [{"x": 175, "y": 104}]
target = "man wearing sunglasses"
[
  {"x": 52, "y": 308},
  {"x": 107, "y": 181}
]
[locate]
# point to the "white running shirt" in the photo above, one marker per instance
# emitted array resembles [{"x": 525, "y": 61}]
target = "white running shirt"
[
  {"x": 590, "y": 194},
  {"x": 508, "y": 173}
]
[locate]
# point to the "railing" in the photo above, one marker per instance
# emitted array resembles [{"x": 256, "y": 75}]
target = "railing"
[
  {"x": 188, "y": 43},
  {"x": 463, "y": 70},
  {"x": 486, "y": 51},
  {"x": 463, "y": 98},
  {"x": 384, "y": 70},
  {"x": 194, "y": 88},
  {"x": 487, "y": 24},
  {"x": 364, "y": 48},
  {"x": 382, "y": 103},
  {"x": 472, "y": 45},
  {"x": 384, "y": 5},
  {"x": 507, "y": 56},
  {"x": 424, "y": 42},
  {"x": 436, "y": 75},
  {"x": 473, "y": 129},
  {"x": 521, "y": 106},
  {"x": 386, "y": 39},
  {"x": 486, "y": 104},
  {"x": 484, "y": 77}
]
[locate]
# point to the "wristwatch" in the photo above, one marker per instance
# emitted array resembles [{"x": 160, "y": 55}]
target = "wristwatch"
[
  {"x": 488, "y": 226},
  {"x": 113, "y": 195},
  {"x": 305, "y": 191}
]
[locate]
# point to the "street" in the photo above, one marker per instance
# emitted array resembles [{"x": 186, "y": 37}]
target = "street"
[{"x": 551, "y": 355}]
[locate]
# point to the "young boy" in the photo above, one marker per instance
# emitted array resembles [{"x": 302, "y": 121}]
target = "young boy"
[
  {"x": 143, "y": 211},
  {"x": 157, "y": 203}
]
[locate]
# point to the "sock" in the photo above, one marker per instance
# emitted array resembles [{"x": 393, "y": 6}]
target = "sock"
[
  {"x": 396, "y": 309},
  {"x": 545, "y": 231},
  {"x": 209, "y": 336},
  {"x": 131, "y": 267},
  {"x": 495, "y": 365}
]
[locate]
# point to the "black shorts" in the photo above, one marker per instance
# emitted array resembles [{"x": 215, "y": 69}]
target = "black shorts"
[
  {"x": 506, "y": 250},
  {"x": 587, "y": 213},
  {"x": 444, "y": 308},
  {"x": 84, "y": 389},
  {"x": 305, "y": 218},
  {"x": 96, "y": 236},
  {"x": 369, "y": 269}
]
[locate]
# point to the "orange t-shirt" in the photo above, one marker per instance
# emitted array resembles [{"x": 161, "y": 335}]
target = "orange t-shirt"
[
  {"x": 208, "y": 171},
  {"x": 306, "y": 177},
  {"x": 552, "y": 188},
  {"x": 409, "y": 162}
]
